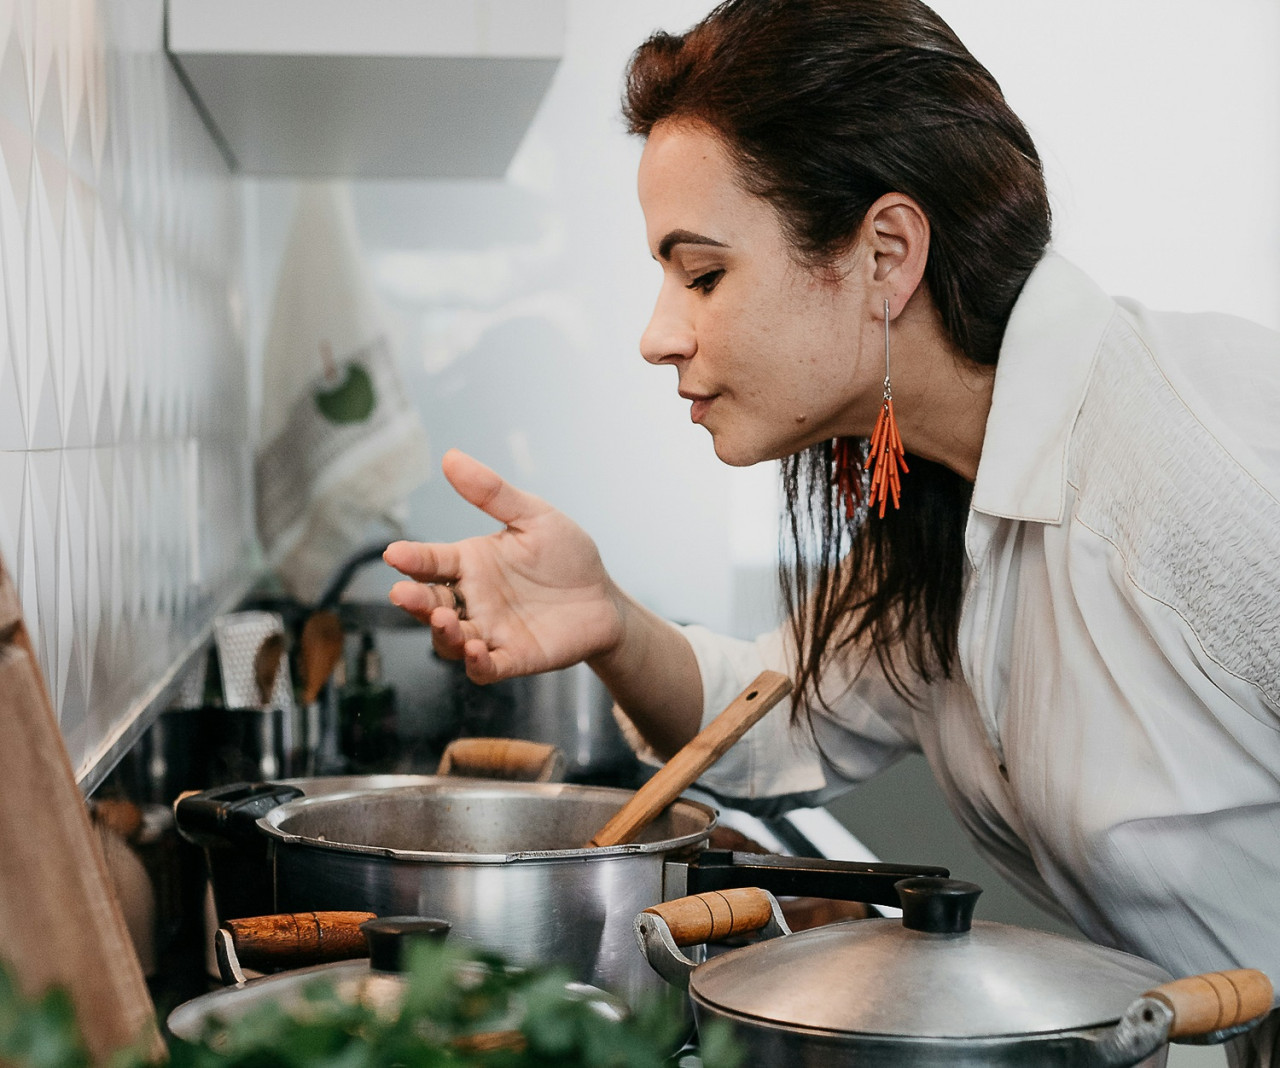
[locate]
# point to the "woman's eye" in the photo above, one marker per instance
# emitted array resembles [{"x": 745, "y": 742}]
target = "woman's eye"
[{"x": 705, "y": 283}]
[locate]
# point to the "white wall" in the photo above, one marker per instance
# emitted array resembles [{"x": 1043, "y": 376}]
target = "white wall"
[
  {"x": 1159, "y": 125},
  {"x": 519, "y": 303}
]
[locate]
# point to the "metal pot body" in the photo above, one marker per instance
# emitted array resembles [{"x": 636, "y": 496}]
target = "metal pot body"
[
  {"x": 504, "y": 862},
  {"x": 223, "y": 822},
  {"x": 353, "y": 982},
  {"x": 799, "y": 1048}
]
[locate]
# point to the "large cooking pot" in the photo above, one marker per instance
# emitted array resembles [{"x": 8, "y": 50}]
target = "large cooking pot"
[
  {"x": 506, "y": 863},
  {"x": 360, "y": 962},
  {"x": 935, "y": 989},
  {"x": 223, "y": 820}
]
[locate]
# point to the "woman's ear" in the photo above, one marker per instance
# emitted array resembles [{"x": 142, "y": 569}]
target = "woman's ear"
[{"x": 897, "y": 232}]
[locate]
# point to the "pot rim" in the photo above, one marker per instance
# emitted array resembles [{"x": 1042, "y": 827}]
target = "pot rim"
[
  {"x": 269, "y": 824},
  {"x": 1074, "y": 1043}
]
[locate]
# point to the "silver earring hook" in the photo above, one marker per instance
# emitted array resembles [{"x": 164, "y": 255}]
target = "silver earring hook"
[
  {"x": 886, "y": 341},
  {"x": 886, "y": 344}
]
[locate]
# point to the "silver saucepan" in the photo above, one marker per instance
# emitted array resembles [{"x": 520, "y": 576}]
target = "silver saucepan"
[
  {"x": 223, "y": 820},
  {"x": 539, "y": 872},
  {"x": 506, "y": 864},
  {"x": 360, "y": 958},
  {"x": 935, "y": 990}
]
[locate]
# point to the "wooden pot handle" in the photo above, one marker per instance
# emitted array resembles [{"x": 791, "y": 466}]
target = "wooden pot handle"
[
  {"x": 1214, "y": 1001},
  {"x": 715, "y": 915},
  {"x": 683, "y": 769},
  {"x": 297, "y": 939},
  {"x": 510, "y": 759}
]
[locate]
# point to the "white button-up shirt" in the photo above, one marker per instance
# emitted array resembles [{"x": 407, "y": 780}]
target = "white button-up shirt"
[{"x": 1112, "y": 742}]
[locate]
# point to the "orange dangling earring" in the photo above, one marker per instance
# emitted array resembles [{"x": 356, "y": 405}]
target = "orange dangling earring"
[
  {"x": 886, "y": 457},
  {"x": 849, "y": 474}
]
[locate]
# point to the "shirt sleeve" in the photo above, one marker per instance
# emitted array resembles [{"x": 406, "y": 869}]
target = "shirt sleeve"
[{"x": 778, "y": 764}]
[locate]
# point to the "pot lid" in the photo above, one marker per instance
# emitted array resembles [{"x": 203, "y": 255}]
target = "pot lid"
[{"x": 934, "y": 974}]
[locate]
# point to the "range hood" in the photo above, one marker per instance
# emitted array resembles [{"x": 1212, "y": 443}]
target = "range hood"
[{"x": 367, "y": 88}]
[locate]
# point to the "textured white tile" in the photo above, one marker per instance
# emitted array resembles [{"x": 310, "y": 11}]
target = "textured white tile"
[
  {"x": 77, "y": 310},
  {"x": 119, "y": 354},
  {"x": 40, "y": 554},
  {"x": 13, "y": 471},
  {"x": 97, "y": 556},
  {"x": 13, "y": 433},
  {"x": 48, "y": 35}
]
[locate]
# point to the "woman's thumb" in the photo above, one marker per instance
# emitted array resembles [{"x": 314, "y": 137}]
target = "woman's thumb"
[{"x": 487, "y": 490}]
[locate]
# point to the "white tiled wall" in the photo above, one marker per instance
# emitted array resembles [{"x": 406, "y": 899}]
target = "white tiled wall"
[{"x": 124, "y": 503}]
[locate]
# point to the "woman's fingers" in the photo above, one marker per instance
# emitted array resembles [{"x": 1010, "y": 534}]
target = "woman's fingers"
[
  {"x": 489, "y": 491},
  {"x": 480, "y": 662},
  {"x": 421, "y": 599},
  {"x": 423, "y": 561}
]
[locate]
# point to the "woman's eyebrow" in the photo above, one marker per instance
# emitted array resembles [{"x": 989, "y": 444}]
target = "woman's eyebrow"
[{"x": 684, "y": 237}]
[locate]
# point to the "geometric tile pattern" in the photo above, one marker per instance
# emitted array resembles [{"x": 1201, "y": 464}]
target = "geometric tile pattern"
[{"x": 125, "y": 491}]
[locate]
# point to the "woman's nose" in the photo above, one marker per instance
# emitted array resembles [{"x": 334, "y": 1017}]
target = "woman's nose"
[{"x": 669, "y": 335}]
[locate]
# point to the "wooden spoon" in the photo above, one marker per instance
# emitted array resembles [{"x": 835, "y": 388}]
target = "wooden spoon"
[
  {"x": 683, "y": 769},
  {"x": 266, "y": 666},
  {"x": 321, "y": 644}
]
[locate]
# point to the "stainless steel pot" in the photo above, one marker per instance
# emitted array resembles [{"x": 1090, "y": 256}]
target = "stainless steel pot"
[
  {"x": 935, "y": 989},
  {"x": 361, "y": 961},
  {"x": 223, "y": 820},
  {"x": 506, "y": 864}
]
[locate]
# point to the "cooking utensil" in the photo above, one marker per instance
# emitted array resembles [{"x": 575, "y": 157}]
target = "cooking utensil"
[
  {"x": 570, "y": 709},
  {"x": 375, "y": 981},
  {"x": 222, "y": 821},
  {"x": 250, "y": 645},
  {"x": 266, "y": 666},
  {"x": 935, "y": 989},
  {"x": 695, "y": 757},
  {"x": 320, "y": 647},
  {"x": 504, "y": 861}
]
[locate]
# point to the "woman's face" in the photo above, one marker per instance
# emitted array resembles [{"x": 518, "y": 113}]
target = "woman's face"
[{"x": 772, "y": 357}]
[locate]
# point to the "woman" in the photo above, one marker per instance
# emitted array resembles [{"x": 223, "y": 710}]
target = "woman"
[{"x": 1063, "y": 591}]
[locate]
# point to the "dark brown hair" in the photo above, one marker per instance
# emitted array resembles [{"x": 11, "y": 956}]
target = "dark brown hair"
[{"x": 824, "y": 106}]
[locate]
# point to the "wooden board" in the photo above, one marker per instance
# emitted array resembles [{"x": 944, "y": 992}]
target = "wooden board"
[{"x": 60, "y": 922}]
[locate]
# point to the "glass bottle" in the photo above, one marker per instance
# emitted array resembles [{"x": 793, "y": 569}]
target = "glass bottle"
[{"x": 366, "y": 714}]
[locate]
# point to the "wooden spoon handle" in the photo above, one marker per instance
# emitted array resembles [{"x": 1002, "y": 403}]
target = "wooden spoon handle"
[{"x": 683, "y": 769}]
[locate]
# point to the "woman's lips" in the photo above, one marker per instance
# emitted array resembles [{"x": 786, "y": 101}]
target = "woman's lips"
[{"x": 699, "y": 405}]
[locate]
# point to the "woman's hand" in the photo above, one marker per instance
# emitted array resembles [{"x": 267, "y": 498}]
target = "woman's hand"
[{"x": 534, "y": 596}]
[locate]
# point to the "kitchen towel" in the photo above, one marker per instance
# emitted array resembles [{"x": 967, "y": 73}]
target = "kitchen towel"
[{"x": 342, "y": 444}]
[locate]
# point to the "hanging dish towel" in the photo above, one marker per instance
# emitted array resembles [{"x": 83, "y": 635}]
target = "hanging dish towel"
[{"x": 342, "y": 445}]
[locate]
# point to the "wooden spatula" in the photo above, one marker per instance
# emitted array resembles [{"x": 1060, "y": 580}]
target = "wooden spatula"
[
  {"x": 321, "y": 648},
  {"x": 683, "y": 769}
]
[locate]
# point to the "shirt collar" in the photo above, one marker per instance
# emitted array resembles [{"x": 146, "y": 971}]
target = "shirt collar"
[{"x": 1045, "y": 362}]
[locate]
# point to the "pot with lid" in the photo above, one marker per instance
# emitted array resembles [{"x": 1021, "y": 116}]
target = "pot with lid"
[
  {"x": 936, "y": 988},
  {"x": 361, "y": 959}
]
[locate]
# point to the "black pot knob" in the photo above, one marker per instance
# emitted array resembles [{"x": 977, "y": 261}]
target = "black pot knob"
[
  {"x": 937, "y": 906},
  {"x": 388, "y": 937}
]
